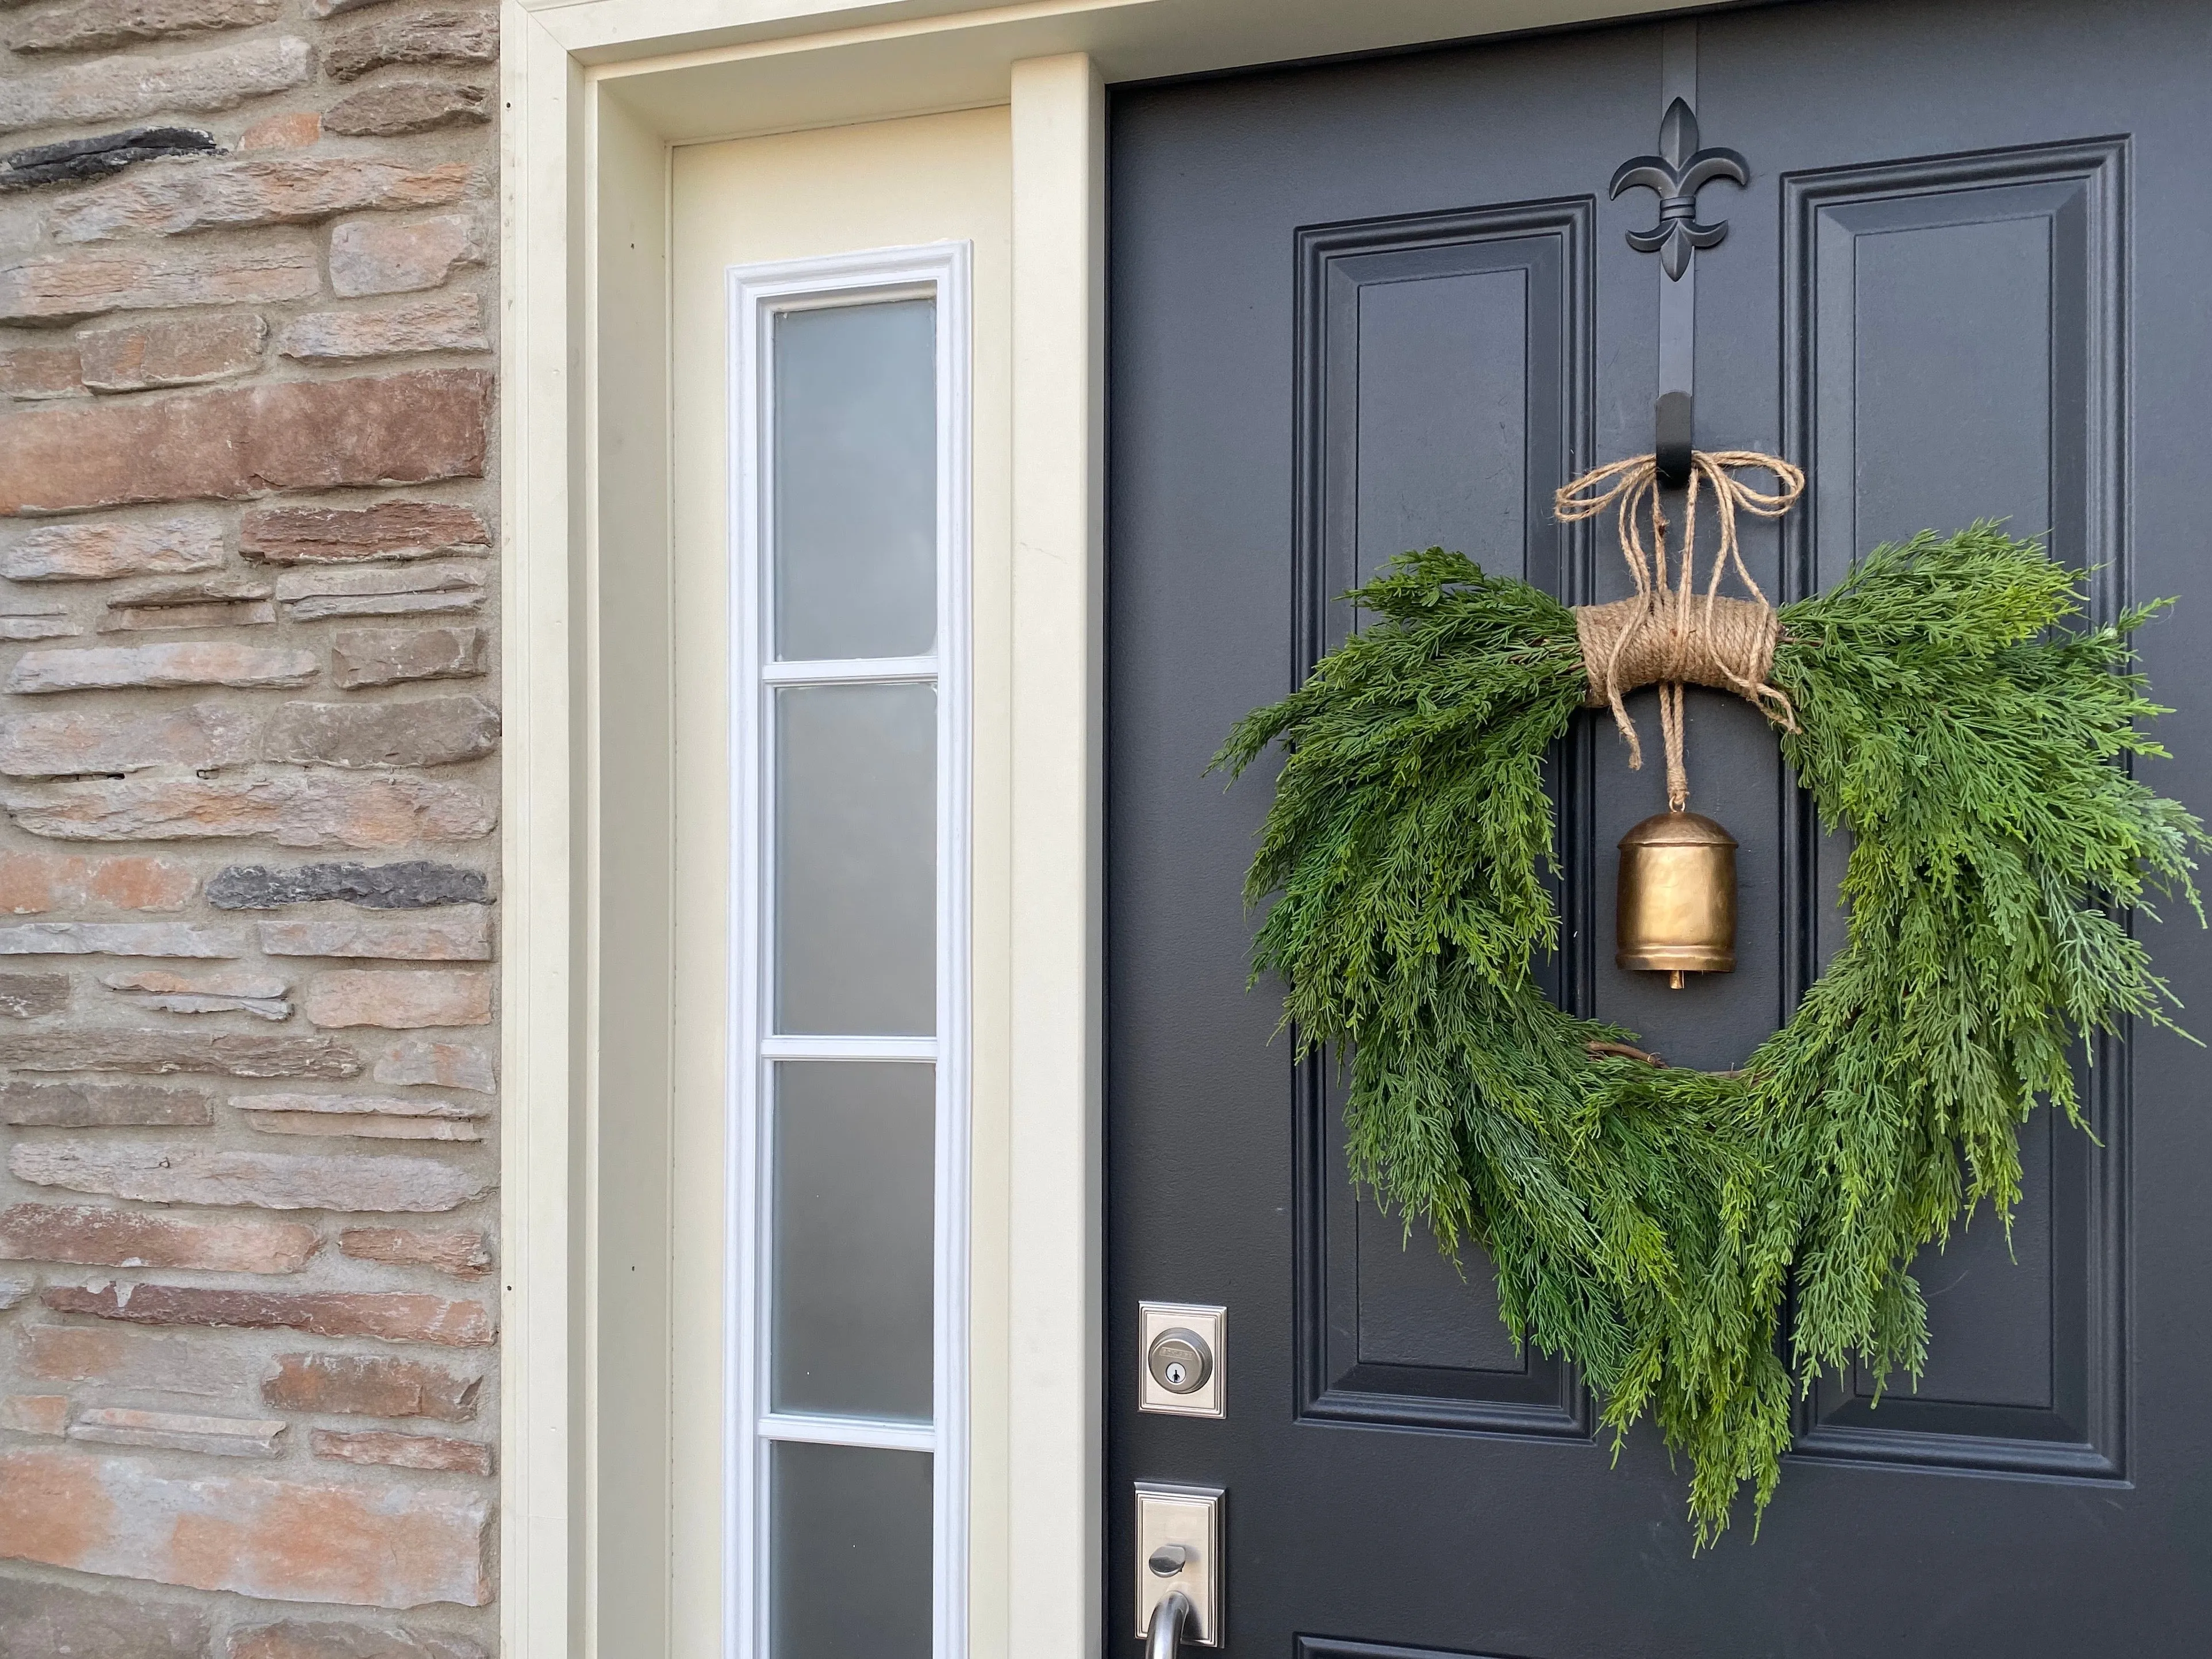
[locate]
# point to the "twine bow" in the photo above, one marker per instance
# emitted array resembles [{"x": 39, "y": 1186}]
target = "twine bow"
[{"x": 1669, "y": 634}]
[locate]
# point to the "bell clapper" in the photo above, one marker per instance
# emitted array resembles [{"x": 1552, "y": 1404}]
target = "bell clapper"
[{"x": 1675, "y": 980}]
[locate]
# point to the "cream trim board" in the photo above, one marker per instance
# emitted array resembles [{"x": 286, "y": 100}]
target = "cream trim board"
[
  {"x": 758, "y": 294},
  {"x": 544, "y": 1021},
  {"x": 1056, "y": 1277},
  {"x": 921, "y": 42}
]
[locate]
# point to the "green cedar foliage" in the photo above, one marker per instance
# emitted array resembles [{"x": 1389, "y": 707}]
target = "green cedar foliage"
[{"x": 1957, "y": 721}]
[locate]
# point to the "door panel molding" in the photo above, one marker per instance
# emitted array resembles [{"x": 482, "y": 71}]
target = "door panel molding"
[
  {"x": 2067, "y": 201},
  {"x": 1329, "y": 1647},
  {"x": 1549, "y": 242},
  {"x": 1544, "y": 1399},
  {"x": 1536, "y": 257}
]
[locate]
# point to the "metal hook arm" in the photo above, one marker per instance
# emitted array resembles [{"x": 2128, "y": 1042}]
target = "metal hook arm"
[{"x": 1671, "y": 440}]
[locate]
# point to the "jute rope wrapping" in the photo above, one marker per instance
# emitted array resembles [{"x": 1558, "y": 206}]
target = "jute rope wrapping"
[{"x": 1669, "y": 634}]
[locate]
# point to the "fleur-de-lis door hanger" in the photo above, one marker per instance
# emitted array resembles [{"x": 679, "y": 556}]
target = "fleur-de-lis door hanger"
[{"x": 1676, "y": 175}]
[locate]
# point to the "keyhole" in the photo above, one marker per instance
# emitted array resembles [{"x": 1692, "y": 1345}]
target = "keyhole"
[{"x": 1176, "y": 1373}]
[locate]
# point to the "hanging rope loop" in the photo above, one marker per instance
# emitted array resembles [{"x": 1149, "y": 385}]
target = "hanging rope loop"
[{"x": 1669, "y": 634}]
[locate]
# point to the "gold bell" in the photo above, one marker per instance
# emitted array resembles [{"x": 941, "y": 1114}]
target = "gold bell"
[{"x": 1677, "y": 898}]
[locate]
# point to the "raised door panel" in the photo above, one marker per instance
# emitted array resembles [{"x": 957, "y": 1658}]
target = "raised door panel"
[
  {"x": 1443, "y": 392},
  {"x": 1952, "y": 348}
]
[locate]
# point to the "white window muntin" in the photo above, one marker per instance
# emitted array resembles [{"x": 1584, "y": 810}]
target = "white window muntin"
[{"x": 758, "y": 293}]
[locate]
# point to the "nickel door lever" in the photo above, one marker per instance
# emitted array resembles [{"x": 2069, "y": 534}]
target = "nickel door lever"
[{"x": 1164, "y": 1638}]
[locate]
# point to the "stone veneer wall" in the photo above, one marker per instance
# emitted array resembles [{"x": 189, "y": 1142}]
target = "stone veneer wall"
[{"x": 248, "y": 764}]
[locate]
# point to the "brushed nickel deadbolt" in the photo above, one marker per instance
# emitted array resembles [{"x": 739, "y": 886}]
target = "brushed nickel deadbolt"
[
  {"x": 1184, "y": 1364},
  {"x": 1179, "y": 1360}
]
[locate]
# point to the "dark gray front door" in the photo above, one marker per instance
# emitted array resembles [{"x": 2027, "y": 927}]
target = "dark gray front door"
[{"x": 1360, "y": 307}]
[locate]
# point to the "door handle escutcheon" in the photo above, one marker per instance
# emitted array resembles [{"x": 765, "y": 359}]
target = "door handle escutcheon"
[{"x": 1179, "y": 1559}]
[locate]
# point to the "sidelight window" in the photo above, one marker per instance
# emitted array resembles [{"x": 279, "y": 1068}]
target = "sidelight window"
[{"x": 848, "y": 1104}]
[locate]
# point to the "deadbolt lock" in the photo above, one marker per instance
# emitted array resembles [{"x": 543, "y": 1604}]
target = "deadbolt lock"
[
  {"x": 1179, "y": 1360},
  {"x": 1184, "y": 1360}
]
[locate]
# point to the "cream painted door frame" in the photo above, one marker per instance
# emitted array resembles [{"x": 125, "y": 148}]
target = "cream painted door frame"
[{"x": 595, "y": 95}]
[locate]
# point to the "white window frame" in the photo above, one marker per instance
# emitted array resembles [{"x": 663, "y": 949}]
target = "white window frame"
[{"x": 757, "y": 294}]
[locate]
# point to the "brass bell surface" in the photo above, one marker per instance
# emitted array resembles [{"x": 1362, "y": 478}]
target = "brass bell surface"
[{"x": 1677, "y": 898}]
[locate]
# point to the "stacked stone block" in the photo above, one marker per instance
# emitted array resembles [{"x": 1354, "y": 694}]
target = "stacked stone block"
[{"x": 249, "y": 772}]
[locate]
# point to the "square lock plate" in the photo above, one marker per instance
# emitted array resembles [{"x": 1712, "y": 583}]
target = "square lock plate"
[{"x": 1161, "y": 1367}]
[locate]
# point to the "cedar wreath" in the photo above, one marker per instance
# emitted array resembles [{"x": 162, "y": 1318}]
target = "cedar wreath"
[{"x": 1952, "y": 714}]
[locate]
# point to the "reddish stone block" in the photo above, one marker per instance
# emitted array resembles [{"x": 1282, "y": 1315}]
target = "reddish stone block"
[
  {"x": 74, "y": 741},
  {"x": 191, "y": 1174},
  {"x": 362, "y": 1126},
  {"x": 84, "y": 283},
  {"x": 458, "y": 935},
  {"x": 363, "y": 1544},
  {"x": 444, "y": 1064},
  {"x": 118, "y": 86},
  {"x": 219, "y": 992},
  {"x": 27, "y": 996},
  {"x": 293, "y": 809},
  {"x": 121, "y": 938},
  {"x": 38, "y": 371},
  {"x": 125, "y": 1358},
  {"x": 96, "y": 1235},
  {"x": 181, "y": 353},
  {"x": 34, "y": 1414},
  {"x": 95, "y": 551},
  {"x": 403, "y": 1451},
  {"x": 348, "y": 1104},
  {"x": 91, "y": 25},
  {"x": 343, "y": 535},
  {"x": 380, "y": 256},
  {"x": 398, "y": 999},
  {"x": 440, "y": 322},
  {"x": 102, "y": 1105},
  {"x": 387, "y": 1315},
  {"x": 232, "y": 1052},
  {"x": 119, "y": 667},
  {"x": 465, "y": 1255},
  {"x": 299, "y": 1639},
  {"x": 303, "y": 434},
  {"x": 307, "y": 595},
  {"x": 292, "y": 130},
  {"x": 403, "y": 106},
  {"x": 422, "y": 733},
  {"x": 60, "y": 1621},
  {"x": 370, "y": 1385},
  {"x": 217, "y": 1436},
  {"x": 276, "y": 189},
  {"x": 436, "y": 36},
  {"x": 387, "y": 656}
]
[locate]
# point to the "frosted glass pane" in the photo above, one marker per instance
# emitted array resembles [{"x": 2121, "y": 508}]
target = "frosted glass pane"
[
  {"x": 853, "y": 1282},
  {"x": 850, "y": 1552},
  {"x": 856, "y": 481},
  {"x": 856, "y": 861}
]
